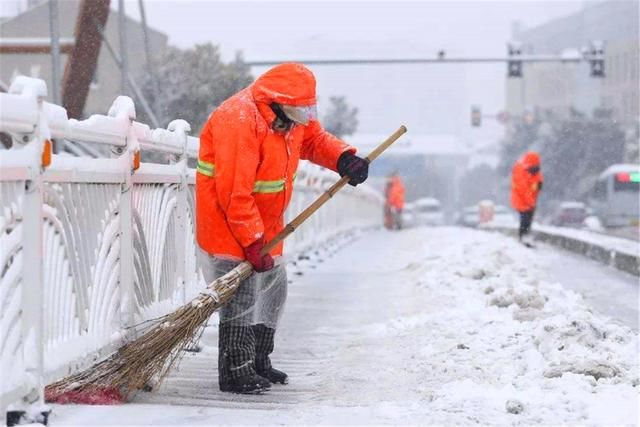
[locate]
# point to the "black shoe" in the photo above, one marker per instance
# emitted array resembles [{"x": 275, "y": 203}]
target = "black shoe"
[
  {"x": 275, "y": 376},
  {"x": 251, "y": 384}
]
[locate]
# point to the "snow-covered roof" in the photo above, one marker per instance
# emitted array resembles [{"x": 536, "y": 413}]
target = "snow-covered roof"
[
  {"x": 32, "y": 41},
  {"x": 413, "y": 143},
  {"x": 12, "y": 25}
]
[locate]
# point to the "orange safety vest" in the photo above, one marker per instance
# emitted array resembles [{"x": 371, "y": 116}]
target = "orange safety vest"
[
  {"x": 245, "y": 171},
  {"x": 525, "y": 186}
]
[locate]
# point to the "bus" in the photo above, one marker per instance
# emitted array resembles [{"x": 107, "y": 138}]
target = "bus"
[{"x": 615, "y": 196}]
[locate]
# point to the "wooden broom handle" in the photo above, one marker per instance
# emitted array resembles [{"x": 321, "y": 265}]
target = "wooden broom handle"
[{"x": 302, "y": 217}]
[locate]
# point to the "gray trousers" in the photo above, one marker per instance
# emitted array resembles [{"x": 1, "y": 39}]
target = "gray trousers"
[{"x": 248, "y": 321}]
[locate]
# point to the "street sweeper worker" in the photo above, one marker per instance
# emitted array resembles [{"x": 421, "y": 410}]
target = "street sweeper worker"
[
  {"x": 526, "y": 183},
  {"x": 394, "y": 201},
  {"x": 249, "y": 152}
]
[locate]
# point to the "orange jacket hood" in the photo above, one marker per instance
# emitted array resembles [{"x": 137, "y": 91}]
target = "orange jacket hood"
[
  {"x": 288, "y": 83},
  {"x": 530, "y": 158}
]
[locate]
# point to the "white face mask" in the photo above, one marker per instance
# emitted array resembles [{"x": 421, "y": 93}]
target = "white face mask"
[{"x": 301, "y": 114}]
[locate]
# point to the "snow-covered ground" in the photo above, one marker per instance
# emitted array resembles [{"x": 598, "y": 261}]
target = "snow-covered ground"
[{"x": 422, "y": 326}]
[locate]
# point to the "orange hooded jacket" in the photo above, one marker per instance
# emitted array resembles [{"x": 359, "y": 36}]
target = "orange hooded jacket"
[
  {"x": 395, "y": 193},
  {"x": 245, "y": 172},
  {"x": 524, "y": 185}
]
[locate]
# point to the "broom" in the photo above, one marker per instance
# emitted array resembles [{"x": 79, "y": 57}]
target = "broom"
[{"x": 156, "y": 351}]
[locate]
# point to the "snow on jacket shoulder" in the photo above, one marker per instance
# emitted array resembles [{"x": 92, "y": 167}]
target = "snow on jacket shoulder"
[{"x": 246, "y": 169}]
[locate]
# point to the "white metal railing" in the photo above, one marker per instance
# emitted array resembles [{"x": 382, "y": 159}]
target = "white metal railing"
[{"x": 91, "y": 246}]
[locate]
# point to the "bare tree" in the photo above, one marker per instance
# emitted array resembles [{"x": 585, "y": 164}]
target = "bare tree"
[
  {"x": 340, "y": 119},
  {"x": 193, "y": 82}
]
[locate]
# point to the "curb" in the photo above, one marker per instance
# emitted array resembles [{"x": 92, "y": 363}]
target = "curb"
[{"x": 622, "y": 261}]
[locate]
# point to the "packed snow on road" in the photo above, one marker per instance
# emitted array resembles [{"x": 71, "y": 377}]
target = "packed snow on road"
[{"x": 429, "y": 326}]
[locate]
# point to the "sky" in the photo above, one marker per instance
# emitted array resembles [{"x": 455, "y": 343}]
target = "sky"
[{"x": 427, "y": 98}]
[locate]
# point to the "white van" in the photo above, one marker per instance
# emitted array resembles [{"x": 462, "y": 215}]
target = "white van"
[{"x": 427, "y": 211}]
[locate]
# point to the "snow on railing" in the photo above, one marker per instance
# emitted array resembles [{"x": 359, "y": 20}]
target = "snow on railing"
[{"x": 92, "y": 246}]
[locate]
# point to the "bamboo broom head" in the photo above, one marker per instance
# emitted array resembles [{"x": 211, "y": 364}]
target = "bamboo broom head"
[{"x": 152, "y": 355}]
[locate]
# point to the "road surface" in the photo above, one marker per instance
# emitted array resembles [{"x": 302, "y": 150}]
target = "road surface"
[{"x": 427, "y": 326}]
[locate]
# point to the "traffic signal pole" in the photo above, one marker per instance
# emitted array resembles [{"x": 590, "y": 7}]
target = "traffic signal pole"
[
  {"x": 514, "y": 60},
  {"x": 383, "y": 61}
]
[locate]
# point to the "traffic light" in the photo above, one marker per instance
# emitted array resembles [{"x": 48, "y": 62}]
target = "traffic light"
[
  {"x": 476, "y": 116},
  {"x": 514, "y": 65},
  {"x": 596, "y": 58}
]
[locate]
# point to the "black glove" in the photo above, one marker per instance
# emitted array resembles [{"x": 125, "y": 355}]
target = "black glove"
[{"x": 355, "y": 167}]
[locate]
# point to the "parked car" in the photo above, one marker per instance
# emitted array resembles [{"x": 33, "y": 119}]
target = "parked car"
[
  {"x": 470, "y": 216},
  {"x": 486, "y": 213},
  {"x": 570, "y": 214},
  {"x": 427, "y": 211},
  {"x": 407, "y": 216},
  {"x": 504, "y": 217}
]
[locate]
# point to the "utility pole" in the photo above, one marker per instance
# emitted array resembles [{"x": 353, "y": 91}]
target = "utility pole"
[
  {"x": 124, "y": 61},
  {"x": 147, "y": 48},
  {"x": 54, "y": 31},
  {"x": 82, "y": 62}
]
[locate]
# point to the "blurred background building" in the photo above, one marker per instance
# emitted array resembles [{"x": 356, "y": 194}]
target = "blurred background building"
[{"x": 33, "y": 24}]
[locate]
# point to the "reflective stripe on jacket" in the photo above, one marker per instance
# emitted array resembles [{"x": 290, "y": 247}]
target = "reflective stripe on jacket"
[
  {"x": 524, "y": 185},
  {"x": 209, "y": 169},
  {"x": 245, "y": 169}
]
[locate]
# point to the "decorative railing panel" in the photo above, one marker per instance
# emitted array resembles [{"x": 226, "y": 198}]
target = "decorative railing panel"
[
  {"x": 11, "y": 288},
  {"x": 80, "y": 276}
]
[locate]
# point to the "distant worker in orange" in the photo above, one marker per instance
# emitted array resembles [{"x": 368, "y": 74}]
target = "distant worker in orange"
[
  {"x": 394, "y": 203},
  {"x": 526, "y": 183}
]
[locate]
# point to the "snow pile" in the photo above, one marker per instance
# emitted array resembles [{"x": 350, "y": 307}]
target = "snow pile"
[
  {"x": 494, "y": 343},
  {"x": 587, "y": 346},
  {"x": 593, "y": 223}
]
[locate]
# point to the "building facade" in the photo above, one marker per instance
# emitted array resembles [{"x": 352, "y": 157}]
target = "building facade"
[{"x": 106, "y": 86}]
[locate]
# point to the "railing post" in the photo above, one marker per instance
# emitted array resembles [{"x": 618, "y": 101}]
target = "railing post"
[
  {"x": 181, "y": 129},
  {"x": 32, "y": 293},
  {"x": 124, "y": 108}
]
